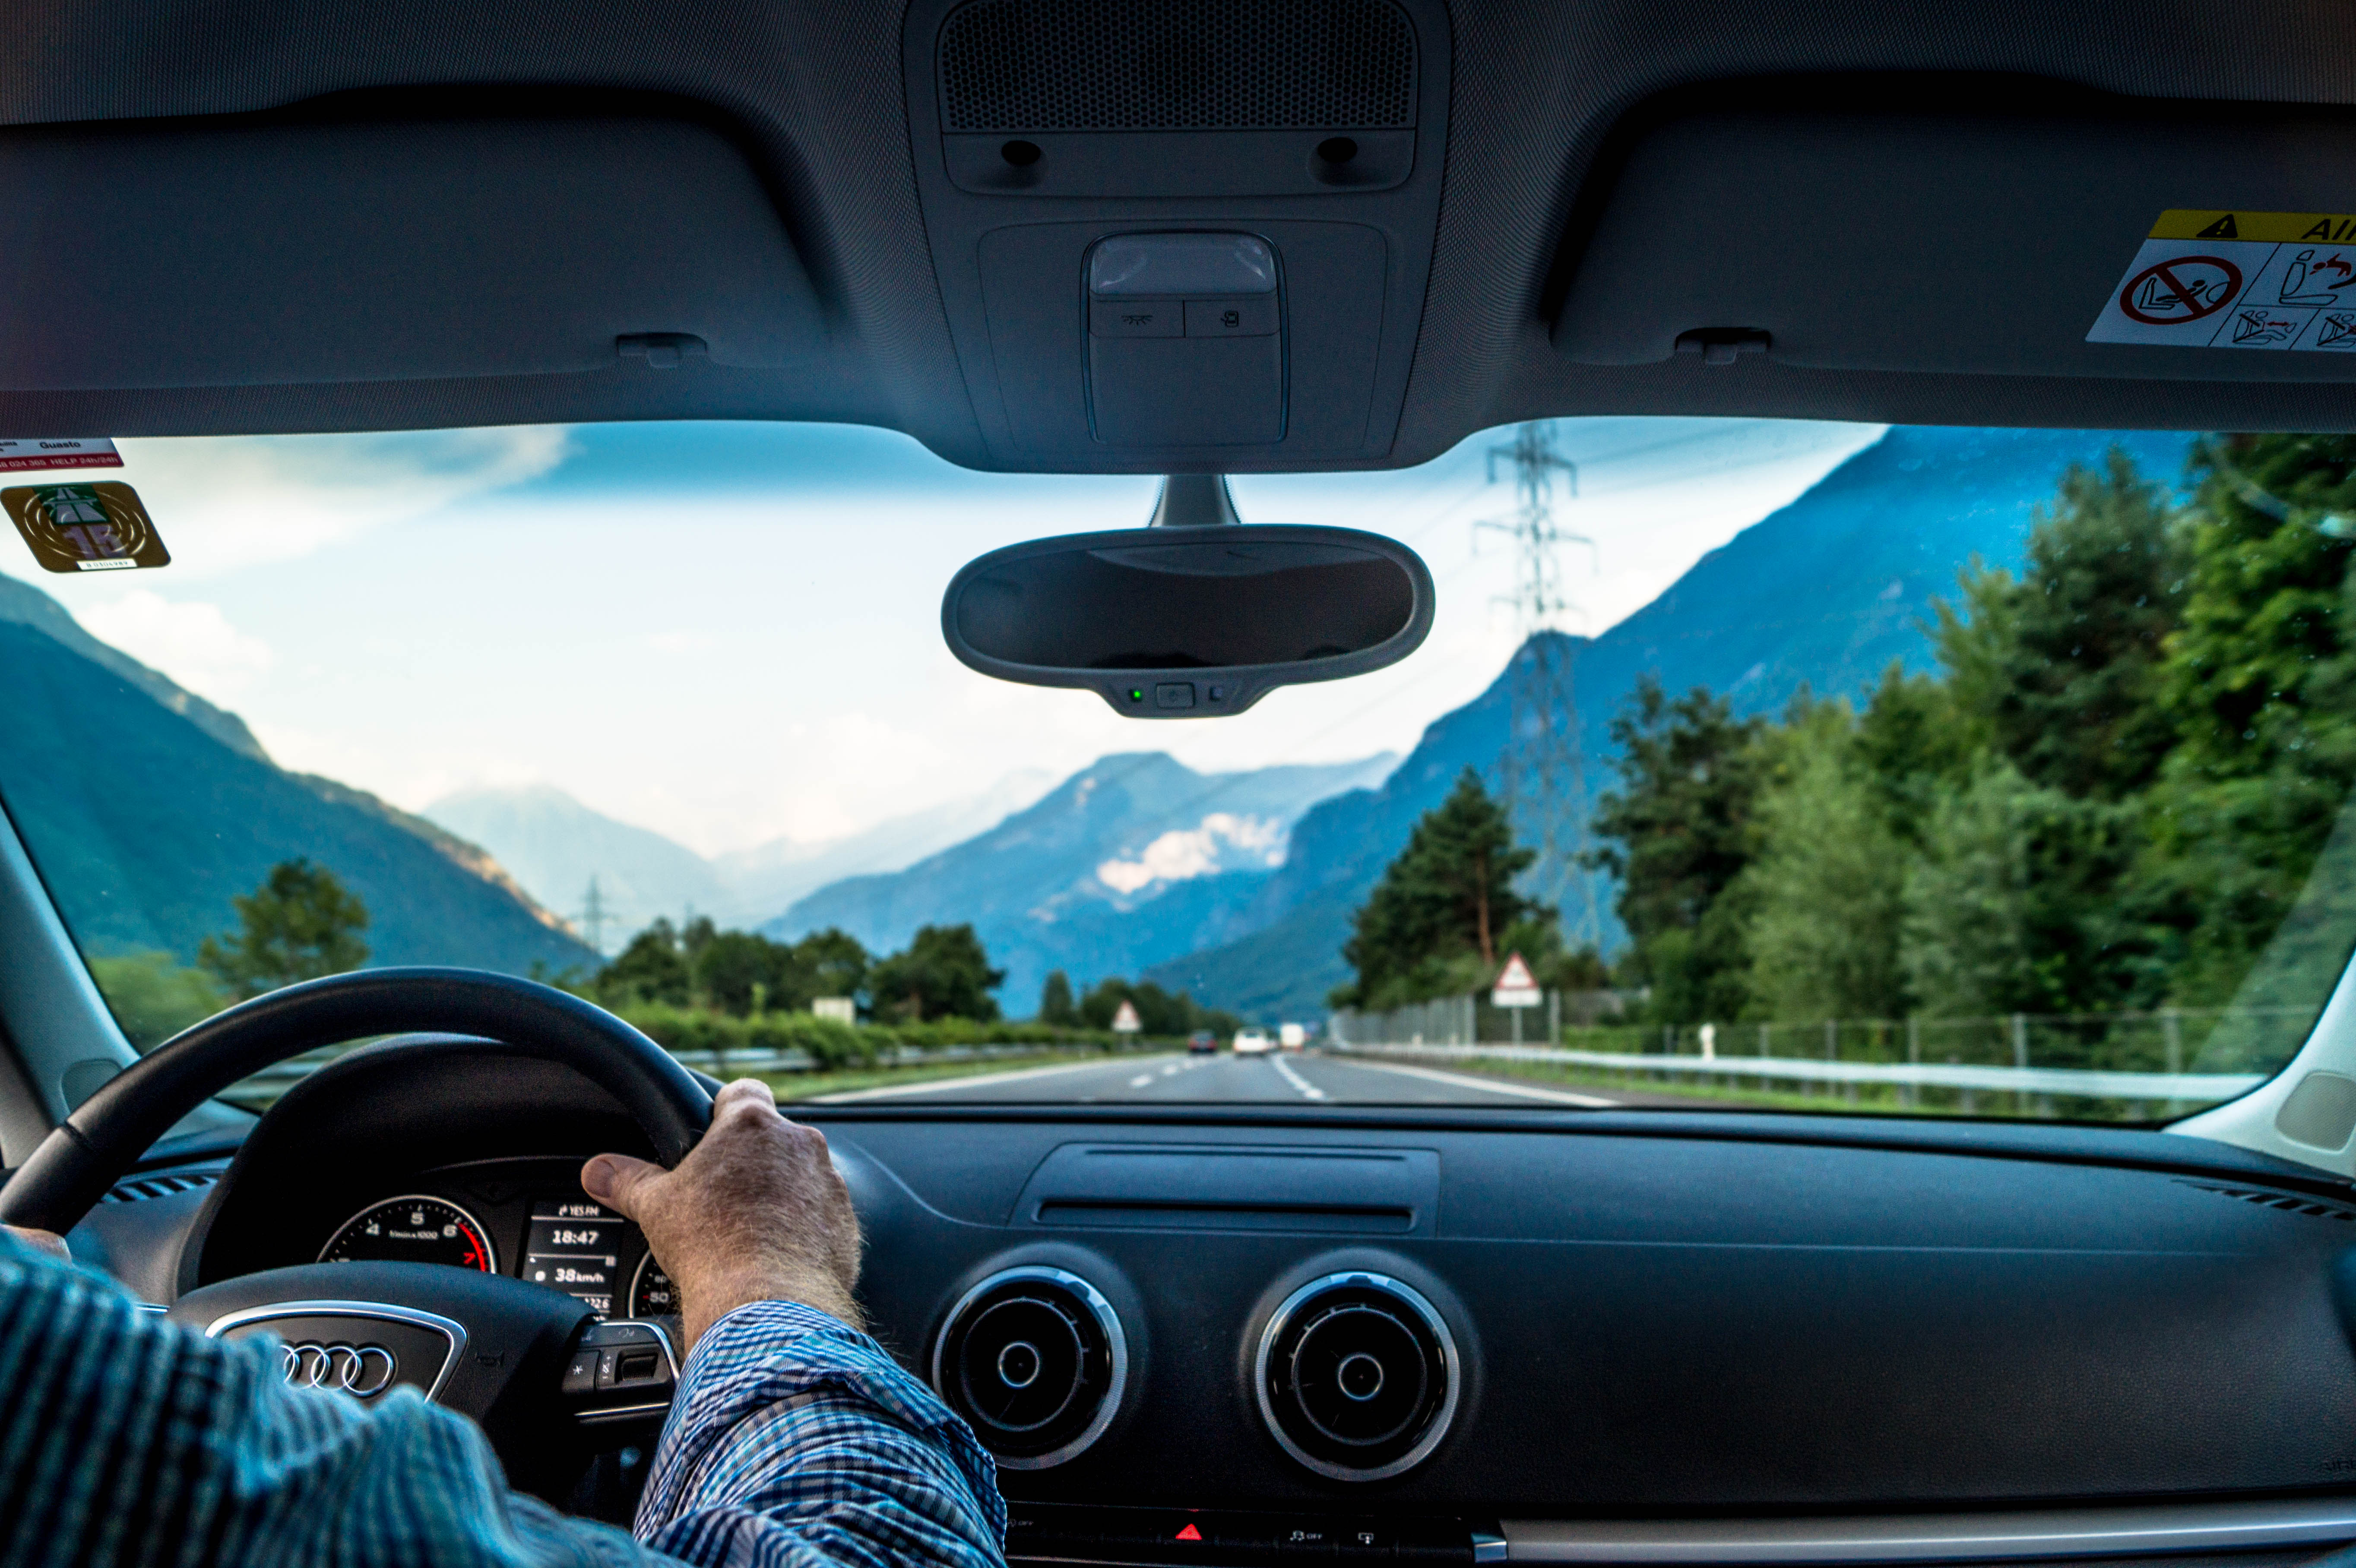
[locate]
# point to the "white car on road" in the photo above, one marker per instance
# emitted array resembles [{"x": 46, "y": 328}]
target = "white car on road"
[{"x": 1252, "y": 1041}]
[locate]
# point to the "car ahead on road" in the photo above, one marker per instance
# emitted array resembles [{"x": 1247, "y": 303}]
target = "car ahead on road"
[
  {"x": 1822, "y": 306},
  {"x": 1202, "y": 1042},
  {"x": 1292, "y": 1037}
]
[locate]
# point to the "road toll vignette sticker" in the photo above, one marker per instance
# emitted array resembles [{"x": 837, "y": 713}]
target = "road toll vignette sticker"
[
  {"x": 85, "y": 528},
  {"x": 2239, "y": 279}
]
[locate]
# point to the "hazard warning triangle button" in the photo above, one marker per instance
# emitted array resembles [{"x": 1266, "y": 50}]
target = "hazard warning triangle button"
[
  {"x": 1188, "y": 1534},
  {"x": 2223, "y": 228}
]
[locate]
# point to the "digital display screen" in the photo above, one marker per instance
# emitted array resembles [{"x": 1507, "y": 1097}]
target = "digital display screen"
[{"x": 576, "y": 1247}]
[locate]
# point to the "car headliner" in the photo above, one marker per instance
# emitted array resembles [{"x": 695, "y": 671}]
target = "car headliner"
[{"x": 2113, "y": 108}]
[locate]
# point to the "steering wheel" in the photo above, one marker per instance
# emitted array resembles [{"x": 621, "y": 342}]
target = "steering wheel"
[{"x": 510, "y": 1354}]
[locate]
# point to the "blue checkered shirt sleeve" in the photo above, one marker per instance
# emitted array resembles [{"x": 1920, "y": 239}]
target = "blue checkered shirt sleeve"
[{"x": 126, "y": 1439}]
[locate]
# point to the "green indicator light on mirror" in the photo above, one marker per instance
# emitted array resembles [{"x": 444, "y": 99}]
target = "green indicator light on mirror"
[{"x": 1136, "y": 694}]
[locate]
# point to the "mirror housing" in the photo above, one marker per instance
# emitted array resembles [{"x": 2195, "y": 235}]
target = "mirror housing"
[{"x": 1189, "y": 622}]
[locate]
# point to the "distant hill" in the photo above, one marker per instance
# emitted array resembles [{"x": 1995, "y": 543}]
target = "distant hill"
[
  {"x": 148, "y": 809},
  {"x": 554, "y": 844},
  {"x": 1126, "y": 862},
  {"x": 1824, "y": 592}
]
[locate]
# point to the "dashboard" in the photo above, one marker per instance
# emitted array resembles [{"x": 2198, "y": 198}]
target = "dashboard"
[{"x": 1451, "y": 1335}]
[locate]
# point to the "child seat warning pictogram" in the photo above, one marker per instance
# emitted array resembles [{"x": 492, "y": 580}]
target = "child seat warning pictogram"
[{"x": 2238, "y": 279}]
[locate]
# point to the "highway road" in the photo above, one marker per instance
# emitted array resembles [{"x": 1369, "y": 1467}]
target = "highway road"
[{"x": 1295, "y": 1078}]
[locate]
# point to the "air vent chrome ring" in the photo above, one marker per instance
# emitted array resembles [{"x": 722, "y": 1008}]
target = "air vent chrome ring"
[
  {"x": 1034, "y": 1358},
  {"x": 1358, "y": 1376}
]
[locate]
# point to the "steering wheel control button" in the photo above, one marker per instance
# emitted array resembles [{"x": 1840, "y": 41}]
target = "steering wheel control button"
[
  {"x": 1035, "y": 1361},
  {"x": 580, "y": 1373},
  {"x": 1356, "y": 1376},
  {"x": 620, "y": 1365}
]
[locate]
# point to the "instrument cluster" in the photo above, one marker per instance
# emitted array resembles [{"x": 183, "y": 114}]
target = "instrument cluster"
[{"x": 516, "y": 1218}]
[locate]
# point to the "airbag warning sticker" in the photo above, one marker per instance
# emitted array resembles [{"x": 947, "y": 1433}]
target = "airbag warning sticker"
[
  {"x": 85, "y": 528},
  {"x": 2239, "y": 279}
]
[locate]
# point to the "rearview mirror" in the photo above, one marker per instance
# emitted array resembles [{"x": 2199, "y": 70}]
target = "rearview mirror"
[{"x": 1190, "y": 621}]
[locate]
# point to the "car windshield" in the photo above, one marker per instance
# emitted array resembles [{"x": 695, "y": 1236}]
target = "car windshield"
[{"x": 1749, "y": 763}]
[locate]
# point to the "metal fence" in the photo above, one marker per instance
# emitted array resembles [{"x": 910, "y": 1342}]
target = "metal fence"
[{"x": 2137, "y": 1064}]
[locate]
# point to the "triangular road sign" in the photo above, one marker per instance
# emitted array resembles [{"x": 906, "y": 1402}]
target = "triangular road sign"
[
  {"x": 1125, "y": 1021},
  {"x": 1516, "y": 986}
]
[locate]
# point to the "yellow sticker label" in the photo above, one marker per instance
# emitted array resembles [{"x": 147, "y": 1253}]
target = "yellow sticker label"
[
  {"x": 2266, "y": 228},
  {"x": 2207, "y": 279}
]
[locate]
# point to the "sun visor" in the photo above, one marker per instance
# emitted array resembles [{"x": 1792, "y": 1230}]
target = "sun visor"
[
  {"x": 2135, "y": 241},
  {"x": 183, "y": 254}
]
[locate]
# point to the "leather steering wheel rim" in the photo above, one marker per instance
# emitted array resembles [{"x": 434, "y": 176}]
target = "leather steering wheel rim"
[{"x": 91, "y": 1149}]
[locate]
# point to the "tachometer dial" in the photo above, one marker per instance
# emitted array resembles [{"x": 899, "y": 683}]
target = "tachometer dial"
[
  {"x": 651, "y": 1293},
  {"x": 413, "y": 1230}
]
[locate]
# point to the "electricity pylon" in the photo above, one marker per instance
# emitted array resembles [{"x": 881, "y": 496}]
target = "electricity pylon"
[
  {"x": 1545, "y": 776},
  {"x": 593, "y": 916}
]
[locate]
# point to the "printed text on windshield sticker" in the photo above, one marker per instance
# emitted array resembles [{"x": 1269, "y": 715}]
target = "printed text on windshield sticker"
[
  {"x": 85, "y": 528},
  {"x": 2239, "y": 279}
]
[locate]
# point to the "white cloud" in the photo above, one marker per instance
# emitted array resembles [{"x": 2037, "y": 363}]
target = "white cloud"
[
  {"x": 192, "y": 642},
  {"x": 1222, "y": 842},
  {"x": 224, "y": 504}
]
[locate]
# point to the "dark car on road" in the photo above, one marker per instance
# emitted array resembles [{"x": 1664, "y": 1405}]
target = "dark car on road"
[{"x": 1202, "y": 1042}]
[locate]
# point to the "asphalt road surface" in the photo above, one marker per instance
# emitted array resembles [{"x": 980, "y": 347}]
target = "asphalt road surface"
[{"x": 1295, "y": 1078}]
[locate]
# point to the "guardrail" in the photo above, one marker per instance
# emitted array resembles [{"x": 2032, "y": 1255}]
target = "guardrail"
[
  {"x": 738, "y": 1063},
  {"x": 2090, "y": 1082}
]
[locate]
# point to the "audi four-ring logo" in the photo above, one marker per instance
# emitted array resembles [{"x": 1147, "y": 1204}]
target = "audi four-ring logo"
[{"x": 361, "y": 1370}]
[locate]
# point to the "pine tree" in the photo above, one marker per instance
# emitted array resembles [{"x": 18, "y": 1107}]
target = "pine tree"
[{"x": 1446, "y": 899}]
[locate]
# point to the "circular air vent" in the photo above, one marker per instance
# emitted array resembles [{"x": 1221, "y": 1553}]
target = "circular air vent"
[
  {"x": 1034, "y": 1360},
  {"x": 1358, "y": 1376}
]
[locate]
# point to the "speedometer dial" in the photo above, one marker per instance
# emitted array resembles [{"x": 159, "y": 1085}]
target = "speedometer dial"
[
  {"x": 413, "y": 1230},
  {"x": 651, "y": 1293}
]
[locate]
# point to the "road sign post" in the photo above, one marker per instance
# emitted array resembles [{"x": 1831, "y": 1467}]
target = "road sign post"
[{"x": 1515, "y": 989}]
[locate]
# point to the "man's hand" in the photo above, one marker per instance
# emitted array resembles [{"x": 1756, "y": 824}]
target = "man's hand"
[
  {"x": 47, "y": 1241},
  {"x": 754, "y": 1212}
]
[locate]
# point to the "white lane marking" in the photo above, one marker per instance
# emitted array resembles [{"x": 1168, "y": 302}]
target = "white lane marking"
[
  {"x": 1141, "y": 1081},
  {"x": 1495, "y": 1085},
  {"x": 1171, "y": 1070},
  {"x": 930, "y": 1085},
  {"x": 1284, "y": 1070}
]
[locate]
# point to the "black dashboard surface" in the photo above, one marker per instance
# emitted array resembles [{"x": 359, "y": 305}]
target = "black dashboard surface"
[{"x": 1654, "y": 1315}]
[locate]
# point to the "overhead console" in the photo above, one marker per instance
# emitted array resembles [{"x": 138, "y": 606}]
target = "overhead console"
[
  {"x": 1982, "y": 227},
  {"x": 1181, "y": 236}
]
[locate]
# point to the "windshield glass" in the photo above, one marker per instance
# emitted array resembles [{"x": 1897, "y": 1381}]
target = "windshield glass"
[{"x": 1749, "y": 764}]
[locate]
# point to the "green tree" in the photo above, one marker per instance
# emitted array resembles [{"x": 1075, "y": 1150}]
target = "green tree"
[
  {"x": 741, "y": 973},
  {"x": 651, "y": 968},
  {"x": 2062, "y": 665},
  {"x": 1825, "y": 890},
  {"x": 829, "y": 963},
  {"x": 1678, "y": 832},
  {"x": 301, "y": 923},
  {"x": 1445, "y": 899},
  {"x": 2260, "y": 682},
  {"x": 152, "y": 997},
  {"x": 1159, "y": 1012},
  {"x": 1055, "y": 1006},
  {"x": 944, "y": 972}
]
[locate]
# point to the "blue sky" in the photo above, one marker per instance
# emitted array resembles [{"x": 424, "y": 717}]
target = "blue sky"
[{"x": 730, "y": 634}]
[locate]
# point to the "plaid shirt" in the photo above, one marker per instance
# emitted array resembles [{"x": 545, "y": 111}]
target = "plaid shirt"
[{"x": 126, "y": 1439}]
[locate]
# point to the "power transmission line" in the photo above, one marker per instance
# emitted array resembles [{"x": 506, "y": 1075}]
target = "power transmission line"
[
  {"x": 1542, "y": 769},
  {"x": 593, "y": 916}
]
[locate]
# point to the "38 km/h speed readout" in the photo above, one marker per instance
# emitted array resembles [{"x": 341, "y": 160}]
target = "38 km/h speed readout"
[{"x": 582, "y": 1248}]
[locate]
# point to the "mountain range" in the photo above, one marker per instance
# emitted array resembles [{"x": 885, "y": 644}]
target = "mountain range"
[
  {"x": 555, "y": 845},
  {"x": 147, "y": 809},
  {"x": 1133, "y": 857}
]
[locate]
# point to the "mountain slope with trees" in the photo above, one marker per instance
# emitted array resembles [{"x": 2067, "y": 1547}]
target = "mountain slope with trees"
[{"x": 1825, "y": 593}]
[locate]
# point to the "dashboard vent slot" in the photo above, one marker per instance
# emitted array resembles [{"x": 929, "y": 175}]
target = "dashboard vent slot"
[
  {"x": 2290, "y": 1203},
  {"x": 1350, "y": 1220},
  {"x": 1177, "y": 65},
  {"x": 138, "y": 1189}
]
